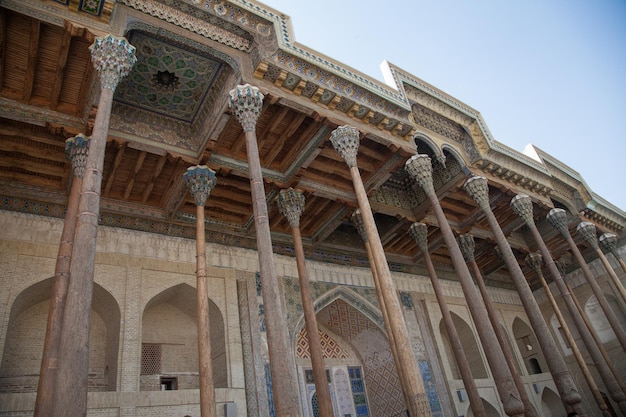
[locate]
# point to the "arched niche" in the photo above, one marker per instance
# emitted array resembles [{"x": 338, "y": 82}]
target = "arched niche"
[
  {"x": 23, "y": 350},
  {"x": 470, "y": 347},
  {"x": 490, "y": 410},
  {"x": 551, "y": 404},
  {"x": 170, "y": 341},
  {"x": 528, "y": 347},
  {"x": 425, "y": 145},
  {"x": 598, "y": 319}
]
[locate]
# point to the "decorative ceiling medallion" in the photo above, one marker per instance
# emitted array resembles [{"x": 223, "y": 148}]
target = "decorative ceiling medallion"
[{"x": 168, "y": 79}]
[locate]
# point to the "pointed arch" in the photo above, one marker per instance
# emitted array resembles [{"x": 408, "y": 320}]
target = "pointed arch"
[
  {"x": 490, "y": 410},
  {"x": 23, "y": 349},
  {"x": 448, "y": 149},
  {"x": 551, "y": 404},
  {"x": 528, "y": 347},
  {"x": 598, "y": 319},
  {"x": 470, "y": 347},
  {"x": 169, "y": 340},
  {"x": 426, "y": 145}
]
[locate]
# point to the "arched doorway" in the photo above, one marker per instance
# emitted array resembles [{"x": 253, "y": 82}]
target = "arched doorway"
[
  {"x": 490, "y": 410},
  {"x": 551, "y": 404},
  {"x": 528, "y": 347},
  {"x": 470, "y": 347},
  {"x": 598, "y": 319}
]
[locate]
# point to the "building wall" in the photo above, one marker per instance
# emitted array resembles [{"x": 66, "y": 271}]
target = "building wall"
[{"x": 142, "y": 283}]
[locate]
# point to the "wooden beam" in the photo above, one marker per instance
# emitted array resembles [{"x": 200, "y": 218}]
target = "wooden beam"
[
  {"x": 33, "y": 152},
  {"x": 153, "y": 176},
  {"x": 33, "y": 50},
  {"x": 29, "y": 166},
  {"x": 116, "y": 163},
  {"x": 3, "y": 43},
  {"x": 61, "y": 63},
  {"x": 131, "y": 181},
  {"x": 287, "y": 134}
]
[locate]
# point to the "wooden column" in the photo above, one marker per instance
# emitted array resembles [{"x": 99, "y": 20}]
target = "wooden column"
[
  {"x": 466, "y": 244},
  {"x": 558, "y": 218},
  {"x": 478, "y": 189},
  {"x": 357, "y": 221},
  {"x": 523, "y": 207},
  {"x": 113, "y": 58},
  {"x": 419, "y": 232},
  {"x": 246, "y": 102},
  {"x": 588, "y": 231},
  {"x": 534, "y": 260},
  {"x": 76, "y": 150},
  {"x": 608, "y": 241},
  {"x": 345, "y": 140},
  {"x": 291, "y": 205},
  {"x": 420, "y": 169},
  {"x": 201, "y": 180}
]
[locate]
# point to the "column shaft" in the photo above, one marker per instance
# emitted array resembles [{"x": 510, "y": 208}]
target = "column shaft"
[
  {"x": 597, "y": 291},
  {"x": 315, "y": 343},
  {"x": 71, "y": 389},
  {"x": 476, "y": 402},
  {"x": 562, "y": 377},
  {"x": 611, "y": 383},
  {"x": 618, "y": 284},
  {"x": 414, "y": 392},
  {"x": 282, "y": 370},
  {"x": 50, "y": 359},
  {"x": 205, "y": 368},
  {"x": 509, "y": 395}
]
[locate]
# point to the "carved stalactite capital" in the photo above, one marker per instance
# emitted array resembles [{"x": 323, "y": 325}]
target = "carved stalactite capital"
[
  {"x": 200, "y": 179},
  {"x": 467, "y": 246},
  {"x": 535, "y": 261},
  {"x": 246, "y": 102},
  {"x": 419, "y": 233},
  {"x": 357, "y": 221},
  {"x": 608, "y": 241},
  {"x": 76, "y": 151},
  {"x": 420, "y": 169},
  {"x": 478, "y": 189},
  {"x": 345, "y": 140},
  {"x": 113, "y": 58},
  {"x": 522, "y": 205},
  {"x": 558, "y": 219},
  {"x": 588, "y": 231},
  {"x": 291, "y": 205}
]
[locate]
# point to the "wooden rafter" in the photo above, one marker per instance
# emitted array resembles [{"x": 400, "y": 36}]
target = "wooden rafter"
[
  {"x": 116, "y": 163},
  {"x": 131, "y": 181},
  {"x": 60, "y": 72},
  {"x": 153, "y": 176},
  {"x": 33, "y": 49}
]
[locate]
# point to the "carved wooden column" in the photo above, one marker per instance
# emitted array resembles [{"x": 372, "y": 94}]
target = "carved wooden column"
[
  {"x": 478, "y": 189},
  {"x": 291, "y": 205},
  {"x": 523, "y": 207},
  {"x": 608, "y": 241},
  {"x": 558, "y": 218},
  {"x": 113, "y": 58},
  {"x": 76, "y": 150},
  {"x": 466, "y": 244},
  {"x": 246, "y": 102},
  {"x": 534, "y": 260},
  {"x": 419, "y": 233},
  {"x": 201, "y": 180},
  {"x": 588, "y": 231},
  {"x": 357, "y": 221},
  {"x": 419, "y": 167},
  {"x": 345, "y": 139}
]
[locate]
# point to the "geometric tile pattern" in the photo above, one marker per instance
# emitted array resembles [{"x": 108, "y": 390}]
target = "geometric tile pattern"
[
  {"x": 346, "y": 320},
  {"x": 330, "y": 347},
  {"x": 431, "y": 389}
]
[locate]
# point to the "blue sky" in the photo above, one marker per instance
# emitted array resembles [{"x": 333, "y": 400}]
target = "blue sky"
[{"x": 547, "y": 72}]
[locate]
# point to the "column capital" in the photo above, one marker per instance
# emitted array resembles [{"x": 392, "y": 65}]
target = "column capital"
[
  {"x": 558, "y": 219},
  {"x": 246, "y": 101},
  {"x": 588, "y": 231},
  {"x": 535, "y": 261},
  {"x": 291, "y": 205},
  {"x": 420, "y": 169},
  {"x": 76, "y": 151},
  {"x": 478, "y": 189},
  {"x": 200, "y": 179},
  {"x": 608, "y": 241},
  {"x": 467, "y": 245},
  {"x": 419, "y": 233},
  {"x": 113, "y": 57},
  {"x": 357, "y": 221},
  {"x": 345, "y": 140},
  {"x": 522, "y": 205}
]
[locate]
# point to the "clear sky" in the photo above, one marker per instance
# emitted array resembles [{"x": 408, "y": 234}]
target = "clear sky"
[{"x": 547, "y": 72}]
